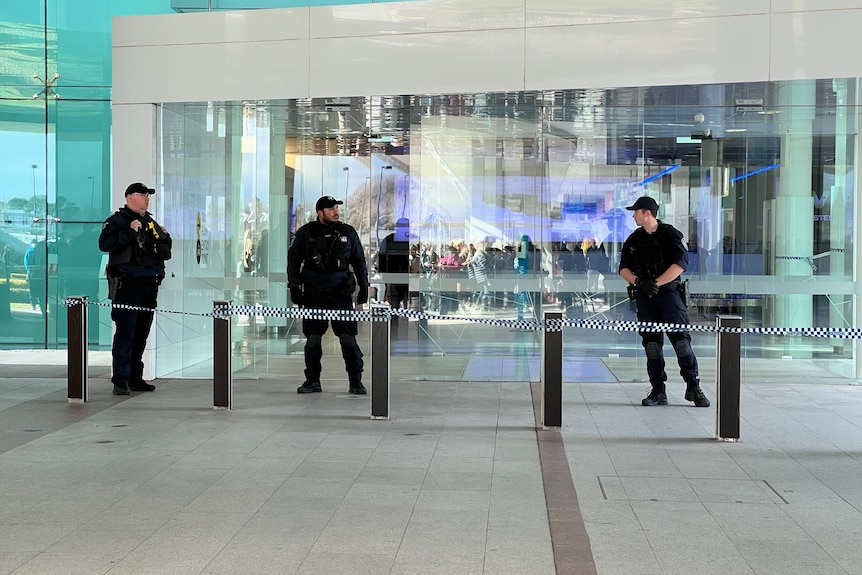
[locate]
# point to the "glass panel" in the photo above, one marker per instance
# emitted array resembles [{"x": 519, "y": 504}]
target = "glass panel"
[
  {"x": 725, "y": 172},
  {"x": 23, "y": 178},
  {"x": 538, "y": 183},
  {"x": 78, "y": 206},
  {"x": 54, "y": 162},
  {"x": 469, "y": 185},
  {"x": 197, "y": 143}
]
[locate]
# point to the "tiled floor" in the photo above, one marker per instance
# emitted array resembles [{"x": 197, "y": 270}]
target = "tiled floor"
[{"x": 457, "y": 481}]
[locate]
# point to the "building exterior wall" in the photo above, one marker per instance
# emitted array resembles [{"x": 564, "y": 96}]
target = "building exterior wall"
[
  {"x": 447, "y": 46},
  {"x": 444, "y": 47}
]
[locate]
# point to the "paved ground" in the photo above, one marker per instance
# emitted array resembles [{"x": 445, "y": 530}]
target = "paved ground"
[{"x": 457, "y": 481}]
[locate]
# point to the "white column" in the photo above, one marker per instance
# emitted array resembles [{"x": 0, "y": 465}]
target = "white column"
[
  {"x": 857, "y": 254},
  {"x": 794, "y": 208},
  {"x": 837, "y": 207},
  {"x": 134, "y": 160}
]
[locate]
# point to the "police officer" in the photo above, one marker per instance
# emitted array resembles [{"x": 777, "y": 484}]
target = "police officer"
[
  {"x": 325, "y": 262},
  {"x": 137, "y": 248},
  {"x": 652, "y": 259}
]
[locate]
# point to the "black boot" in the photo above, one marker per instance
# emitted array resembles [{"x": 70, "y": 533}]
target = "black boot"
[
  {"x": 695, "y": 394},
  {"x": 657, "y": 396}
]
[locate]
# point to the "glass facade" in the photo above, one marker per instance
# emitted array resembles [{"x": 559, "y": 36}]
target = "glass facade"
[
  {"x": 527, "y": 191},
  {"x": 55, "y": 161},
  {"x": 55, "y": 156}
]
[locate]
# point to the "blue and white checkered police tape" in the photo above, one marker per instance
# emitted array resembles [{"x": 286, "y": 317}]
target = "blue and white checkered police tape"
[
  {"x": 528, "y": 325},
  {"x": 383, "y": 314}
]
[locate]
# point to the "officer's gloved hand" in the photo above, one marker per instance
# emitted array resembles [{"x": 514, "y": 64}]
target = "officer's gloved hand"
[
  {"x": 646, "y": 286},
  {"x": 296, "y": 295},
  {"x": 362, "y": 295}
]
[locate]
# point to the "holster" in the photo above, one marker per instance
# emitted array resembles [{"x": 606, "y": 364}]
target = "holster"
[
  {"x": 114, "y": 283},
  {"x": 682, "y": 289},
  {"x": 349, "y": 286},
  {"x": 632, "y": 291}
]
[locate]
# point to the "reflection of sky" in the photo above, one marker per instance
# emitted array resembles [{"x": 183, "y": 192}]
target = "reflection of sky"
[{"x": 18, "y": 152}]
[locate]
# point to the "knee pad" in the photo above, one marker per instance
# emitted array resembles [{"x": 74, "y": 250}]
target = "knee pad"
[
  {"x": 653, "y": 350},
  {"x": 682, "y": 348}
]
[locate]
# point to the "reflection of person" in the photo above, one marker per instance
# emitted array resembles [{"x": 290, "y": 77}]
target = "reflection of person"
[
  {"x": 80, "y": 261},
  {"x": 394, "y": 258},
  {"x": 325, "y": 262},
  {"x": 477, "y": 265},
  {"x": 38, "y": 274},
  {"x": 652, "y": 259},
  {"x": 29, "y": 257},
  {"x": 255, "y": 221},
  {"x": 137, "y": 249}
]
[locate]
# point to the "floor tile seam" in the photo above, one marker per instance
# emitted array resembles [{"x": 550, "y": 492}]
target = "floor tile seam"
[
  {"x": 493, "y": 469},
  {"x": 412, "y": 509},
  {"x": 415, "y": 502}
]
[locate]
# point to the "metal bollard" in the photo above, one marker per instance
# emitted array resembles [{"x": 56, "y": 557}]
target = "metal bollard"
[
  {"x": 552, "y": 371},
  {"x": 78, "y": 369},
  {"x": 222, "y": 354},
  {"x": 728, "y": 379},
  {"x": 380, "y": 360}
]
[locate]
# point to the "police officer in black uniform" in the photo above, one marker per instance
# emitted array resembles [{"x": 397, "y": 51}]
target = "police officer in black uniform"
[
  {"x": 652, "y": 259},
  {"x": 137, "y": 248},
  {"x": 325, "y": 262}
]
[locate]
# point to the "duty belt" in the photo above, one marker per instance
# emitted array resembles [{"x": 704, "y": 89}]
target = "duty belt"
[{"x": 143, "y": 281}]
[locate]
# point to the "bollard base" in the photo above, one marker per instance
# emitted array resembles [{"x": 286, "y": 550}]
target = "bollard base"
[
  {"x": 728, "y": 439},
  {"x": 380, "y": 417},
  {"x": 76, "y": 400},
  {"x": 220, "y": 408}
]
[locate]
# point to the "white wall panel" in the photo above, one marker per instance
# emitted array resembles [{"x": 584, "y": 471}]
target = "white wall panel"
[
  {"x": 416, "y": 64},
  {"x": 133, "y": 157},
  {"x": 479, "y": 46},
  {"x": 415, "y": 17},
  {"x": 133, "y": 160},
  {"x": 636, "y": 53},
  {"x": 813, "y": 5},
  {"x": 583, "y": 12},
  {"x": 201, "y": 72},
  {"x": 817, "y": 45},
  {"x": 211, "y": 27}
]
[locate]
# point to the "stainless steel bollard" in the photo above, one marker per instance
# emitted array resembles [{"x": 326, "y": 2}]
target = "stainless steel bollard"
[
  {"x": 222, "y": 355},
  {"x": 78, "y": 369},
  {"x": 380, "y": 360},
  {"x": 728, "y": 379},
  {"x": 552, "y": 371}
]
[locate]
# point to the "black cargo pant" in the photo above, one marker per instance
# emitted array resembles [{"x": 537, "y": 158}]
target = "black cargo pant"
[
  {"x": 666, "y": 307},
  {"x": 346, "y": 331},
  {"x": 132, "y": 328}
]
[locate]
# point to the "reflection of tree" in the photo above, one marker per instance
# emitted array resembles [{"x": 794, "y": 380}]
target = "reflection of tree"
[
  {"x": 363, "y": 204},
  {"x": 30, "y": 205},
  {"x": 358, "y": 208},
  {"x": 35, "y": 205},
  {"x": 66, "y": 210}
]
